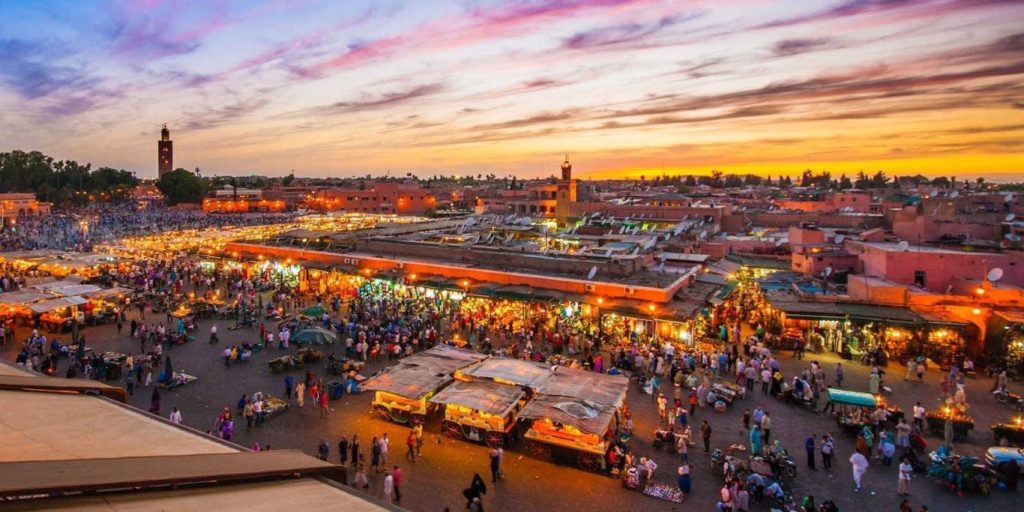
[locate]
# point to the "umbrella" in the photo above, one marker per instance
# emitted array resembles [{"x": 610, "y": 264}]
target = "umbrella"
[
  {"x": 315, "y": 311},
  {"x": 315, "y": 335},
  {"x": 168, "y": 370}
]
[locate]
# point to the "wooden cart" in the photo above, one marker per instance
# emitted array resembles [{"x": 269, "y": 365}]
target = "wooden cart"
[
  {"x": 480, "y": 411},
  {"x": 403, "y": 390}
]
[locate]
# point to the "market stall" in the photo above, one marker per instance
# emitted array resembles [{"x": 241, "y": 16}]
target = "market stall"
[
  {"x": 575, "y": 417},
  {"x": 1011, "y": 431},
  {"x": 853, "y": 409},
  {"x": 503, "y": 370},
  {"x": 402, "y": 391},
  {"x": 56, "y": 315},
  {"x": 962, "y": 423},
  {"x": 480, "y": 411}
]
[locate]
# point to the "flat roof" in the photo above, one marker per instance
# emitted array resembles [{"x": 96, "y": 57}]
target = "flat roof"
[
  {"x": 57, "y": 426},
  {"x": 894, "y": 247},
  {"x": 42, "y": 426},
  {"x": 299, "y": 494}
]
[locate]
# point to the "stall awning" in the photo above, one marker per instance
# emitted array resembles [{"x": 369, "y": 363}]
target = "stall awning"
[
  {"x": 54, "y": 304},
  {"x": 931, "y": 317},
  {"x": 104, "y": 293},
  {"x": 22, "y": 297},
  {"x": 483, "y": 396},
  {"x": 1013, "y": 316},
  {"x": 880, "y": 313}
]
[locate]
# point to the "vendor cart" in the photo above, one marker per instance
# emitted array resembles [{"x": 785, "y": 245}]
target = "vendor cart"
[
  {"x": 403, "y": 390},
  {"x": 1012, "y": 431},
  {"x": 284, "y": 363},
  {"x": 853, "y": 408},
  {"x": 480, "y": 411},
  {"x": 729, "y": 392},
  {"x": 342, "y": 366},
  {"x": 575, "y": 418},
  {"x": 936, "y": 422},
  {"x": 273, "y": 407},
  {"x": 309, "y": 355}
]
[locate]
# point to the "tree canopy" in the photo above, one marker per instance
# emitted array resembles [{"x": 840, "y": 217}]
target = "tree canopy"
[
  {"x": 62, "y": 181},
  {"x": 181, "y": 186}
]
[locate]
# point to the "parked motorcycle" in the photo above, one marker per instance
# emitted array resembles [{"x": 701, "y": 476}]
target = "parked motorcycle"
[{"x": 1012, "y": 399}]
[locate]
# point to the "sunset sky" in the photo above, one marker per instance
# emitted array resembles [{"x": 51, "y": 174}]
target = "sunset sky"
[{"x": 507, "y": 87}]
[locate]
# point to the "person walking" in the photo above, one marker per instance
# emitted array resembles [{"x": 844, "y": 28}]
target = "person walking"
[
  {"x": 903, "y": 487},
  {"x": 389, "y": 487},
  {"x": 324, "y": 449},
  {"x": 289, "y": 381},
  {"x": 175, "y": 416},
  {"x": 375, "y": 455},
  {"x": 343, "y": 451},
  {"x": 495, "y": 465},
  {"x": 396, "y": 475},
  {"x": 418, "y": 431},
  {"x": 860, "y": 465},
  {"x": 354, "y": 445},
  {"x": 410, "y": 446},
  {"x": 766, "y": 427},
  {"x": 827, "y": 449},
  {"x": 385, "y": 449},
  {"x": 683, "y": 481},
  {"x": 324, "y": 410},
  {"x": 300, "y": 393},
  {"x": 839, "y": 375},
  {"x": 810, "y": 444},
  {"x": 705, "y": 434}
]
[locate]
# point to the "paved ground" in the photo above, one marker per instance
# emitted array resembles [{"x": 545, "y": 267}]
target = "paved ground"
[{"x": 436, "y": 480}]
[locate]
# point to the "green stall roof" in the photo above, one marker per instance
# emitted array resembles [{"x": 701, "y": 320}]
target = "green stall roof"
[{"x": 856, "y": 398}]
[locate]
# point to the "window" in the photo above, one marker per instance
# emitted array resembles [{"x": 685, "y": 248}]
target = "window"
[{"x": 919, "y": 278}]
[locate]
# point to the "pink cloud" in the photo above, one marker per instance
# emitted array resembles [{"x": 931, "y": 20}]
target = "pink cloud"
[{"x": 469, "y": 28}]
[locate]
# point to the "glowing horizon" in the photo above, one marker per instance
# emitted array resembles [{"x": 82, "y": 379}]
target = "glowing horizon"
[{"x": 626, "y": 87}]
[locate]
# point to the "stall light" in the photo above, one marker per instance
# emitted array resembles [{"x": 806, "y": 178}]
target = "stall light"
[
  {"x": 600, "y": 300},
  {"x": 979, "y": 290},
  {"x": 976, "y": 311},
  {"x": 651, "y": 307}
]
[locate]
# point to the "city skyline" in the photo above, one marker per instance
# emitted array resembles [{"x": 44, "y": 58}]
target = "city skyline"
[{"x": 627, "y": 87}]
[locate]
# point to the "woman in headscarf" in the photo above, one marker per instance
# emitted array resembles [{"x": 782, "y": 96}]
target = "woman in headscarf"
[
  {"x": 869, "y": 440},
  {"x": 755, "y": 441},
  {"x": 154, "y": 402}
]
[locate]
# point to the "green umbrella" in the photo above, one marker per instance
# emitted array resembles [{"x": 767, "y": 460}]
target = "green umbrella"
[
  {"x": 315, "y": 311},
  {"x": 315, "y": 335}
]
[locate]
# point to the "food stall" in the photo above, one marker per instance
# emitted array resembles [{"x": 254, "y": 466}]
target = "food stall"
[
  {"x": 516, "y": 372},
  {"x": 1012, "y": 431},
  {"x": 55, "y": 315},
  {"x": 575, "y": 417},
  {"x": 853, "y": 408},
  {"x": 962, "y": 423},
  {"x": 481, "y": 411},
  {"x": 402, "y": 391}
]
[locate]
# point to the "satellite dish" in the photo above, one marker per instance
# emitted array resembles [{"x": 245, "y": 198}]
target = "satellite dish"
[
  {"x": 636, "y": 251},
  {"x": 955, "y": 193},
  {"x": 839, "y": 239},
  {"x": 622, "y": 229},
  {"x": 1010, "y": 217},
  {"x": 470, "y": 222},
  {"x": 902, "y": 246},
  {"x": 663, "y": 257},
  {"x": 828, "y": 271},
  {"x": 995, "y": 274},
  {"x": 592, "y": 273},
  {"x": 703, "y": 234},
  {"x": 525, "y": 221},
  {"x": 935, "y": 193},
  {"x": 1009, "y": 197},
  {"x": 778, "y": 243},
  {"x": 661, "y": 267}
]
